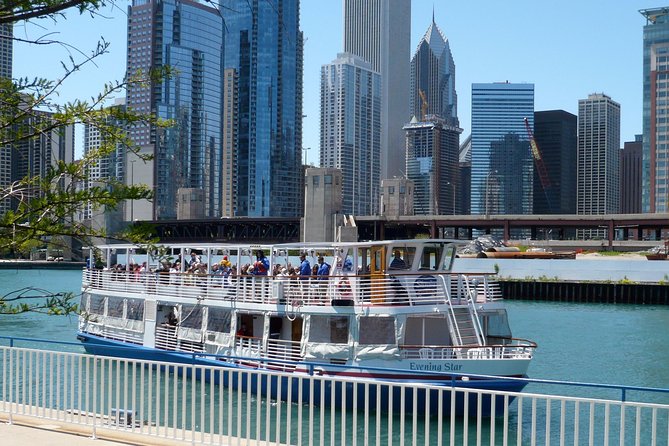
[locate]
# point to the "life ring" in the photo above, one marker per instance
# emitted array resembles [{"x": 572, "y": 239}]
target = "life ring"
[
  {"x": 344, "y": 289},
  {"x": 425, "y": 286}
]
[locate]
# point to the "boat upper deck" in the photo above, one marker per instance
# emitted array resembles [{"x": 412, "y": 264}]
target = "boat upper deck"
[{"x": 397, "y": 273}]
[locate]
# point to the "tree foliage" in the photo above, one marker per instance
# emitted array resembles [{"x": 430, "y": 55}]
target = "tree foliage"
[{"x": 45, "y": 206}]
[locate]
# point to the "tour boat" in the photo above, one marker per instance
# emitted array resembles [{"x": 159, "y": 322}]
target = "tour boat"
[{"x": 375, "y": 312}]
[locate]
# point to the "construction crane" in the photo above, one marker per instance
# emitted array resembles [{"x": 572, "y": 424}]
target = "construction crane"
[
  {"x": 538, "y": 160},
  {"x": 423, "y": 106}
]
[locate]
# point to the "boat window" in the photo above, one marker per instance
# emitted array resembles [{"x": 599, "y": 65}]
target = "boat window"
[
  {"x": 115, "y": 306},
  {"x": 495, "y": 324},
  {"x": 191, "y": 316},
  {"x": 97, "y": 305},
  {"x": 219, "y": 320},
  {"x": 135, "y": 309},
  {"x": 430, "y": 257},
  {"x": 420, "y": 331},
  {"x": 402, "y": 257},
  {"x": 449, "y": 256},
  {"x": 377, "y": 330},
  {"x": 329, "y": 329}
]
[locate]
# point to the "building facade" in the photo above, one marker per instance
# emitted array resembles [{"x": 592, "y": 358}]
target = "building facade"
[
  {"x": 322, "y": 204},
  {"x": 379, "y": 31},
  {"x": 351, "y": 130},
  {"x": 188, "y": 153},
  {"x": 6, "y": 49},
  {"x": 502, "y": 168},
  {"x": 432, "y": 164},
  {"x": 268, "y": 115},
  {"x": 631, "y": 158},
  {"x": 108, "y": 167},
  {"x": 598, "y": 162},
  {"x": 556, "y": 137},
  {"x": 655, "y": 188},
  {"x": 433, "y": 78},
  {"x": 396, "y": 197}
]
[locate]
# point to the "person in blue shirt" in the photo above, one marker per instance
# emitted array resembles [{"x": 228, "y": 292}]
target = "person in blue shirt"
[
  {"x": 261, "y": 265},
  {"x": 323, "y": 269},
  {"x": 305, "y": 267}
]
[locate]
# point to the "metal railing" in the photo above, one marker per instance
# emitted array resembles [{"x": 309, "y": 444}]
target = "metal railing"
[
  {"x": 417, "y": 288},
  {"x": 216, "y": 405}
]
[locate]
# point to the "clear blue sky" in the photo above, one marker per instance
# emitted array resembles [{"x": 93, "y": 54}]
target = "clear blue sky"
[{"x": 568, "y": 49}]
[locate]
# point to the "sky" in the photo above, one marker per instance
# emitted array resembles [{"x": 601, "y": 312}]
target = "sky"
[{"x": 567, "y": 49}]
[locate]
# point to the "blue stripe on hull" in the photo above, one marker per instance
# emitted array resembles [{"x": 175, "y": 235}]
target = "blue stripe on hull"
[{"x": 289, "y": 386}]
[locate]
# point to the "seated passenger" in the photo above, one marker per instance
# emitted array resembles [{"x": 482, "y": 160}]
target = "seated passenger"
[{"x": 397, "y": 262}]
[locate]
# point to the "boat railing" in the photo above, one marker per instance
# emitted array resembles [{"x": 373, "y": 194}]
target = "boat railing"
[
  {"x": 283, "y": 350},
  {"x": 392, "y": 288},
  {"x": 516, "y": 349}
]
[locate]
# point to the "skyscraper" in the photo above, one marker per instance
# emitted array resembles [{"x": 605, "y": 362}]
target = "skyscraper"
[
  {"x": 187, "y": 154},
  {"x": 379, "y": 31},
  {"x": 630, "y": 176},
  {"x": 502, "y": 168},
  {"x": 433, "y": 78},
  {"x": 351, "y": 130},
  {"x": 432, "y": 164},
  {"x": 655, "y": 186},
  {"x": 555, "y": 134},
  {"x": 598, "y": 168},
  {"x": 6, "y": 46},
  {"x": 263, "y": 48}
]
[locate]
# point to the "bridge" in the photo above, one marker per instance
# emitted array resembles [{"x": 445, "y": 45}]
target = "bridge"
[{"x": 287, "y": 229}]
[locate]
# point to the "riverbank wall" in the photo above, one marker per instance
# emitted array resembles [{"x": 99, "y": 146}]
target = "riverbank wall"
[
  {"x": 587, "y": 292},
  {"x": 39, "y": 264}
]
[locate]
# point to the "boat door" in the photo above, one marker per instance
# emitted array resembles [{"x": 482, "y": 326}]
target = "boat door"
[
  {"x": 377, "y": 269},
  {"x": 296, "y": 337}
]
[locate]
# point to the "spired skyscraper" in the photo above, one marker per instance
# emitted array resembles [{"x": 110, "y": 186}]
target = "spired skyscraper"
[
  {"x": 187, "y": 155},
  {"x": 433, "y": 135},
  {"x": 502, "y": 166},
  {"x": 379, "y": 31},
  {"x": 263, "y": 62},
  {"x": 351, "y": 130},
  {"x": 655, "y": 173},
  {"x": 433, "y": 77}
]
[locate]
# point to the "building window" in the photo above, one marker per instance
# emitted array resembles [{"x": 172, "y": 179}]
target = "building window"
[
  {"x": 391, "y": 190},
  {"x": 317, "y": 180},
  {"x": 327, "y": 179}
]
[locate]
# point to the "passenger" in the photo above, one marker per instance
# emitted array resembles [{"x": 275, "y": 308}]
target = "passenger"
[
  {"x": 172, "y": 319},
  {"x": 261, "y": 265},
  {"x": 397, "y": 262},
  {"x": 314, "y": 270},
  {"x": 243, "y": 331},
  {"x": 305, "y": 267},
  {"x": 323, "y": 269},
  {"x": 348, "y": 265},
  {"x": 194, "y": 260}
]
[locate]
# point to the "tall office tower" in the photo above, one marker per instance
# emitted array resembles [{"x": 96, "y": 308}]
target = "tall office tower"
[
  {"x": 34, "y": 156},
  {"x": 598, "y": 163},
  {"x": 263, "y": 45},
  {"x": 107, "y": 167},
  {"x": 351, "y": 130},
  {"x": 655, "y": 186},
  {"x": 630, "y": 176},
  {"x": 433, "y": 78},
  {"x": 502, "y": 166},
  {"x": 6, "y": 45},
  {"x": 187, "y": 154},
  {"x": 555, "y": 135},
  {"x": 465, "y": 172},
  {"x": 228, "y": 164},
  {"x": 379, "y": 31},
  {"x": 432, "y": 156}
]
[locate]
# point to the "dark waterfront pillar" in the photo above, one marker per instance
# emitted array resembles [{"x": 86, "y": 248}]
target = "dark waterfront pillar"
[
  {"x": 626, "y": 233},
  {"x": 470, "y": 233},
  {"x": 507, "y": 231},
  {"x": 456, "y": 232},
  {"x": 533, "y": 232},
  {"x": 433, "y": 229},
  {"x": 611, "y": 234},
  {"x": 658, "y": 234}
]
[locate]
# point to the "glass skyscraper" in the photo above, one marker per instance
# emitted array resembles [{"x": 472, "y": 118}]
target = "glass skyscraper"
[
  {"x": 187, "y": 155},
  {"x": 433, "y": 76},
  {"x": 655, "y": 168},
  {"x": 351, "y": 130},
  {"x": 502, "y": 166},
  {"x": 6, "y": 46},
  {"x": 263, "y": 47}
]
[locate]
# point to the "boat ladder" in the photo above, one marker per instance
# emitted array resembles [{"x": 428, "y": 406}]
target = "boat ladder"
[{"x": 464, "y": 325}]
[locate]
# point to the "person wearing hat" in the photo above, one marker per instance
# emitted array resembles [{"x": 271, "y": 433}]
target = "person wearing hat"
[{"x": 305, "y": 267}]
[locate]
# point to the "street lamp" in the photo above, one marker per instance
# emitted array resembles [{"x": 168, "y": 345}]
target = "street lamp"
[
  {"x": 132, "y": 183},
  {"x": 487, "y": 185},
  {"x": 448, "y": 183}
]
